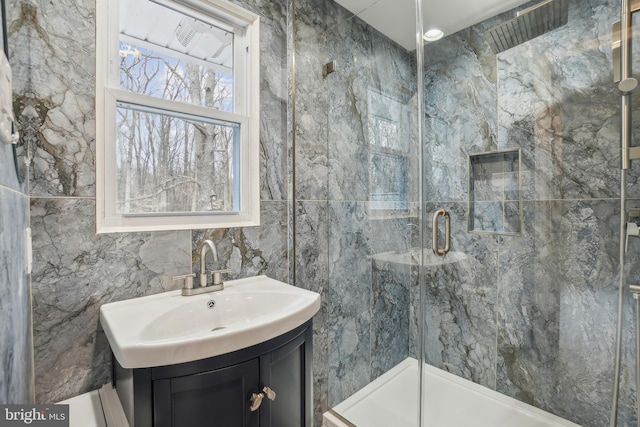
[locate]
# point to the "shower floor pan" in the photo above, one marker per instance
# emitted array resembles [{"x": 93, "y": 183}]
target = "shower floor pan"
[{"x": 391, "y": 400}]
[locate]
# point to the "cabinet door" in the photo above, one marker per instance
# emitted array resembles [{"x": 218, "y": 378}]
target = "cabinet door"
[
  {"x": 287, "y": 371},
  {"x": 218, "y": 398}
]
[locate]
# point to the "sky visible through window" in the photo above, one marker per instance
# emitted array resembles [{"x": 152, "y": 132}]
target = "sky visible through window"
[
  {"x": 169, "y": 161},
  {"x": 151, "y": 73}
]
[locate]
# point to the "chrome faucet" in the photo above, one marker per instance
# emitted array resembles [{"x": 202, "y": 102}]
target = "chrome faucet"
[
  {"x": 215, "y": 275},
  {"x": 203, "y": 280}
]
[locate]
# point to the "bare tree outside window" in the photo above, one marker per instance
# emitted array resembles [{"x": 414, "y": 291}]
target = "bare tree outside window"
[
  {"x": 172, "y": 162},
  {"x": 177, "y": 115}
]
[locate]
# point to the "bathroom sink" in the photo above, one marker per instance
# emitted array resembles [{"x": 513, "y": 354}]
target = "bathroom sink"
[{"x": 169, "y": 328}]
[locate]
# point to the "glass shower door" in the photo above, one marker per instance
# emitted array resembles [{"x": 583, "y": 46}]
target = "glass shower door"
[
  {"x": 521, "y": 148},
  {"x": 372, "y": 199}
]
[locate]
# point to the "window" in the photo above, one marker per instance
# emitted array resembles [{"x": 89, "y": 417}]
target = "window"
[{"x": 177, "y": 115}]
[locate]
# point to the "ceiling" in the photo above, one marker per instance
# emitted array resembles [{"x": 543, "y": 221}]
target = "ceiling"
[{"x": 396, "y": 18}]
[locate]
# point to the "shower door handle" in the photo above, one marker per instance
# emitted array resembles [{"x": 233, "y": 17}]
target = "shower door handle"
[{"x": 447, "y": 232}]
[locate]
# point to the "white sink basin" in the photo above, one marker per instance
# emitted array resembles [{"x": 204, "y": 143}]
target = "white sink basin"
[{"x": 169, "y": 328}]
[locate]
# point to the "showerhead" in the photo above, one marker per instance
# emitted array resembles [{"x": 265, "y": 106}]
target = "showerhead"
[{"x": 528, "y": 24}]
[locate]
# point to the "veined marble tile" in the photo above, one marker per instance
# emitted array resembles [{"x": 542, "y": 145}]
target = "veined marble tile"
[
  {"x": 460, "y": 301},
  {"x": 570, "y": 148},
  {"x": 348, "y": 102},
  {"x": 349, "y": 243},
  {"x": 312, "y": 245},
  {"x": 249, "y": 251},
  {"x": 75, "y": 271},
  {"x": 312, "y": 272},
  {"x": 392, "y": 278},
  {"x": 348, "y": 145},
  {"x": 58, "y": 114},
  {"x": 460, "y": 100},
  {"x": 392, "y": 67},
  {"x": 274, "y": 154},
  {"x": 350, "y": 299},
  {"x": 392, "y": 233},
  {"x": 311, "y": 100},
  {"x": 390, "y": 316},
  {"x": 556, "y": 309},
  {"x": 349, "y": 350},
  {"x": 16, "y": 346},
  {"x": 274, "y": 97},
  {"x": 555, "y": 101}
]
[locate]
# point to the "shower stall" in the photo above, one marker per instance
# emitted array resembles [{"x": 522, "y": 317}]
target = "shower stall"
[{"x": 518, "y": 141}]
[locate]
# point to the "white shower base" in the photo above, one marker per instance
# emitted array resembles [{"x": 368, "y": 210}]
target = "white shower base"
[{"x": 391, "y": 400}]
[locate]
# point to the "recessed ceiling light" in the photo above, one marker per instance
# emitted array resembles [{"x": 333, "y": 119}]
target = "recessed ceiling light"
[{"x": 433, "y": 35}]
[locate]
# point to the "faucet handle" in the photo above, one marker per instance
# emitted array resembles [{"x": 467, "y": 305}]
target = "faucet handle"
[
  {"x": 187, "y": 280},
  {"x": 215, "y": 276}
]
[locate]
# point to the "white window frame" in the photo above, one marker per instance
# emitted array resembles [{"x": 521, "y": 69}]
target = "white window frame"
[{"x": 246, "y": 27}]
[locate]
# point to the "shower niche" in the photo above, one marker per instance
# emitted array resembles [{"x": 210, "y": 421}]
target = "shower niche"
[{"x": 494, "y": 193}]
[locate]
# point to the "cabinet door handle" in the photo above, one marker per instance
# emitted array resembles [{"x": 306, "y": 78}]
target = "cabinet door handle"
[
  {"x": 256, "y": 398},
  {"x": 271, "y": 395},
  {"x": 256, "y": 401}
]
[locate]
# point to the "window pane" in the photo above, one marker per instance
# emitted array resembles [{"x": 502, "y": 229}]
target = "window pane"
[
  {"x": 169, "y": 55},
  {"x": 174, "y": 163}
]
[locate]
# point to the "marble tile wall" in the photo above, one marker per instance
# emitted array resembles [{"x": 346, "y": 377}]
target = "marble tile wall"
[
  {"x": 16, "y": 338},
  {"x": 368, "y": 110},
  {"x": 362, "y": 328},
  {"x": 556, "y": 309},
  {"x": 533, "y": 316},
  {"x": 16, "y": 341}
]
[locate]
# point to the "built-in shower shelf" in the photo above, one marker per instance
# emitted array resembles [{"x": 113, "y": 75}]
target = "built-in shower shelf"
[{"x": 494, "y": 193}]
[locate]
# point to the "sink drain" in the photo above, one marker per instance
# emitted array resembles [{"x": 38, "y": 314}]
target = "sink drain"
[{"x": 218, "y": 328}]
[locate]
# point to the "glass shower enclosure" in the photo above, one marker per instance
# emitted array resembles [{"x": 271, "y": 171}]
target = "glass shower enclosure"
[{"x": 519, "y": 145}]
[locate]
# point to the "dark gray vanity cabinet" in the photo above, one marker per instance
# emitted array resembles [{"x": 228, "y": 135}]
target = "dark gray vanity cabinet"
[
  {"x": 216, "y": 397},
  {"x": 216, "y": 392}
]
